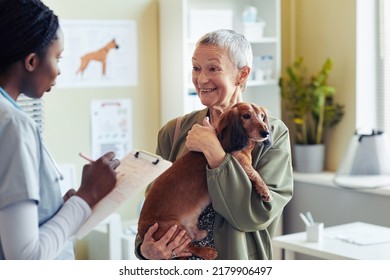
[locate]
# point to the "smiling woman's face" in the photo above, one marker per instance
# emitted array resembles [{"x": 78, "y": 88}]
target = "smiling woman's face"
[{"x": 215, "y": 76}]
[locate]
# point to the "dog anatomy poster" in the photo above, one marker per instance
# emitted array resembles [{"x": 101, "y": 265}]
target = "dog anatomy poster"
[
  {"x": 98, "y": 53},
  {"x": 111, "y": 124}
]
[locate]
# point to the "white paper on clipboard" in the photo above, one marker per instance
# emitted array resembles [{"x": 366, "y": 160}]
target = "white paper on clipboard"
[{"x": 136, "y": 171}]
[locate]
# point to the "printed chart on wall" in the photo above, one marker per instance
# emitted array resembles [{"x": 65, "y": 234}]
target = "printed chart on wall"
[
  {"x": 111, "y": 124},
  {"x": 98, "y": 53}
]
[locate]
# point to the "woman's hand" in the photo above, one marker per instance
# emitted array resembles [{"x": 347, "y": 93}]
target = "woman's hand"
[
  {"x": 201, "y": 138},
  {"x": 98, "y": 179},
  {"x": 204, "y": 139},
  {"x": 165, "y": 248}
]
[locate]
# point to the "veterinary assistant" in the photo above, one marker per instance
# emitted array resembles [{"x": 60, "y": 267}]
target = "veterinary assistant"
[{"x": 35, "y": 221}]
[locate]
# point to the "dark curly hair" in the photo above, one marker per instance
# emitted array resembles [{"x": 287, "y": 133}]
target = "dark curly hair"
[{"x": 26, "y": 26}]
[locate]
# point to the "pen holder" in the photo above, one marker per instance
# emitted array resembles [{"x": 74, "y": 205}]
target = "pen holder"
[{"x": 315, "y": 232}]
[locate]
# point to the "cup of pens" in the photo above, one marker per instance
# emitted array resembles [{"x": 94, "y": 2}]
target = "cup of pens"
[{"x": 314, "y": 230}]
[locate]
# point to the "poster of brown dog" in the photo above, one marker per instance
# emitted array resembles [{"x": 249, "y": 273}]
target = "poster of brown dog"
[{"x": 100, "y": 55}]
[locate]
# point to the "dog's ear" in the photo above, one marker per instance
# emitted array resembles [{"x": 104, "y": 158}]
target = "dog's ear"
[
  {"x": 265, "y": 119},
  {"x": 230, "y": 132},
  {"x": 267, "y": 142}
]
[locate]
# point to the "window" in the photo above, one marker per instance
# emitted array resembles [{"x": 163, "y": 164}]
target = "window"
[
  {"x": 373, "y": 65},
  {"x": 33, "y": 107},
  {"x": 383, "y": 78}
]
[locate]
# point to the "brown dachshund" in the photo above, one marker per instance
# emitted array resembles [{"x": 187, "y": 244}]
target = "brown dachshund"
[
  {"x": 99, "y": 55},
  {"x": 180, "y": 194}
]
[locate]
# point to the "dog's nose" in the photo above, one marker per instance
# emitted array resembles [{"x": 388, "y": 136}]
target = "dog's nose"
[{"x": 264, "y": 134}]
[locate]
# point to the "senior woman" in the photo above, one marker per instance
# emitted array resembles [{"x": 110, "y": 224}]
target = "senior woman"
[{"x": 237, "y": 229}]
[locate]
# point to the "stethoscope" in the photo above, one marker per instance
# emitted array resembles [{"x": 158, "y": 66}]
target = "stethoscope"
[{"x": 59, "y": 175}]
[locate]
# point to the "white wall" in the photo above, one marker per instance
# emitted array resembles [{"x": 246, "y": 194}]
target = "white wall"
[{"x": 316, "y": 30}]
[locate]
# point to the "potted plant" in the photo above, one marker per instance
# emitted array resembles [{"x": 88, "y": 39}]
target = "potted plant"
[{"x": 311, "y": 112}]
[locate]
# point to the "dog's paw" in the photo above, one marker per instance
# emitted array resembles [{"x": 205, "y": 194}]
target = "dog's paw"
[
  {"x": 267, "y": 197},
  {"x": 206, "y": 253},
  {"x": 210, "y": 254},
  {"x": 264, "y": 192}
]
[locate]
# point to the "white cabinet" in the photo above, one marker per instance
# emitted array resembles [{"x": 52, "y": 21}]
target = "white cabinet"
[{"x": 182, "y": 22}]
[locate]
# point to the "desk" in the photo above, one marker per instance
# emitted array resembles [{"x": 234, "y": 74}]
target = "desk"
[
  {"x": 334, "y": 248},
  {"x": 333, "y": 205}
]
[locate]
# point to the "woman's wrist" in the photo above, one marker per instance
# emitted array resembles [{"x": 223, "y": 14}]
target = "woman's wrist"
[
  {"x": 140, "y": 254},
  {"x": 215, "y": 157}
]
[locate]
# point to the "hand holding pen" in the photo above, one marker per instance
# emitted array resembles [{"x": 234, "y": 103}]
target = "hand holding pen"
[
  {"x": 98, "y": 178},
  {"x": 72, "y": 192}
]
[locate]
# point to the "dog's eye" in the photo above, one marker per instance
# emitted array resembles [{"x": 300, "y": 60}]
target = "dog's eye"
[
  {"x": 246, "y": 116},
  {"x": 262, "y": 116}
]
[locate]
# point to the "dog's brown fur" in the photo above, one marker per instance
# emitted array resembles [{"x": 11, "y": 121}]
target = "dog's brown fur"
[
  {"x": 99, "y": 55},
  {"x": 180, "y": 194}
]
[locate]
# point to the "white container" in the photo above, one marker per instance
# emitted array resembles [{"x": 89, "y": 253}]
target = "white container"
[
  {"x": 315, "y": 232},
  {"x": 254, "y": 31}
]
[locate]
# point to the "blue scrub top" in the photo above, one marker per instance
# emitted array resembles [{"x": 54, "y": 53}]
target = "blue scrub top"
[{"x": 27, "y": 171}]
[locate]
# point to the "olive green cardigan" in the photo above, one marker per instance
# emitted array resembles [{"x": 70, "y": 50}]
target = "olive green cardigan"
[{"x": 244, "y": 225}]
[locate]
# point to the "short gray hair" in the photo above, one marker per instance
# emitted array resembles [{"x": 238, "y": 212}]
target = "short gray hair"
[{"x": 237, "y": 46}]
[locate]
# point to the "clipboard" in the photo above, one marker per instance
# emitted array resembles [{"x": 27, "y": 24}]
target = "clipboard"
[{"x": 135, "y": 172}]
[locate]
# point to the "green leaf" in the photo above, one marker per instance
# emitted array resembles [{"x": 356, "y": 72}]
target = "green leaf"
[{"x": 309, "y": 103}]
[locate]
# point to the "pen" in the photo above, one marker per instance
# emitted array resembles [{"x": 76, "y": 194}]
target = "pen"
[
  {"x": 86, "y": 157},
  {"x": 309, "y": 217},
  {"x": 304, "y": 219}
]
